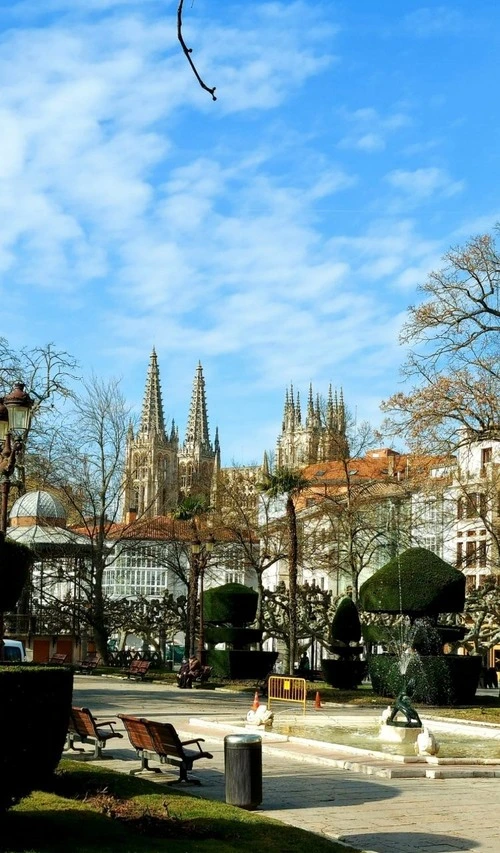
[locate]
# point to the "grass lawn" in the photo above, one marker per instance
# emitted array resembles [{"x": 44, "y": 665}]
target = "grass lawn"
[{"x": 93, "y": 810}]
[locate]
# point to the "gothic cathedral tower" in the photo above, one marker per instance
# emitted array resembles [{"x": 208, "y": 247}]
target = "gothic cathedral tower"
[
  {"x": 157, "y": 471},
  {"x": 320, "y": 438},
  {"x": 151, "y": 469},
  {"x": 198, "y": 457}
]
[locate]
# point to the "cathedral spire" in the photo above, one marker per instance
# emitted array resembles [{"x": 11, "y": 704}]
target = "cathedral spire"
[
  {"x": 310, "y": 408},
  {"x": 197, "y": 427},
  {"x": 152, "y": 407},
  {"x": 298, "y": 413},
  {"x": 330, "y": 414}
]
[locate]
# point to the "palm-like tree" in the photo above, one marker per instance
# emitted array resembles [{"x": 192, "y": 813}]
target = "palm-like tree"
[
  {"x": 289, "y": 483},
  {"x": 189, "y": 509}
]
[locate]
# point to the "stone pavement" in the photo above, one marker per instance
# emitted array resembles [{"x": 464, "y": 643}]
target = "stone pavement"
[{"x": 390, "y": 815}]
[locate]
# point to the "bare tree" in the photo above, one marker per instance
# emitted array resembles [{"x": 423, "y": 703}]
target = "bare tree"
[
  {"x": 284, "y": 482},
  {"x": 454, "y": 356},
  {"x": 244, "y": 515},
  {"x": 355, "y": 513},
  {"x": 86, "y": 469}
]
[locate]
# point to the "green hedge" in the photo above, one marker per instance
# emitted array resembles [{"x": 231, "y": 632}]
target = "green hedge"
[
  {"x": 242, "y": 665},
  {"x": 416, "y": 582},
  {"x": 15, "y": 560},
  {"x": 346, "y": 626},
  {"x": 344, "y": 674},
  {"x": 236, "y": 637},
  {"x": 34, "y": 712},
  {"x": 437, "y": 680},
  {"x": 232, "y": 604}
]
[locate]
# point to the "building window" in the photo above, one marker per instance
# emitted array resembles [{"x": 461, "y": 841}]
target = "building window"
[
  {"x": 471, "y": 506},
  {"x": 472, "y": 553},
  {"x": 429, "y": 511},
  {"x": 486, "y": 455}
]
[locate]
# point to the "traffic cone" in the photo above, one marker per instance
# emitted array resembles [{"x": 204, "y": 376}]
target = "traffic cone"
[
  {"x": 256, "y": 702},
  {"x": 317, "y": 701}
]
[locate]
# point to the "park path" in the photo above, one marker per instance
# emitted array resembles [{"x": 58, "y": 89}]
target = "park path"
[{"x": 371, "y": 814}]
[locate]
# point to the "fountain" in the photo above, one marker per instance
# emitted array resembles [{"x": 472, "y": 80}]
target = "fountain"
[{"x": 413, "y": 589}]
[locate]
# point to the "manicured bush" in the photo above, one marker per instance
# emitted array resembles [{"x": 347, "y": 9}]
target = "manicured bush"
[
  {"x": 235, "y": 637},
  {"x": 431, "y": 680},
  {"x": 345, "y": 670},
  {"x": 15, "y": 562},
  {"x": 34, "y": 713},
  {"x": 416, "y": 582},
  {"x": 346, "y": 627},
  {"x": 230, "y": 664},
  {"x": 231, "y": 604},
  {"x": 343, "y": 674}
]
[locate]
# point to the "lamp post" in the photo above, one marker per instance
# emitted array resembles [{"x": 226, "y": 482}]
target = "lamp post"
[
  {"x": 15, "y": 417},
  {"x": 200, "y": 554}
]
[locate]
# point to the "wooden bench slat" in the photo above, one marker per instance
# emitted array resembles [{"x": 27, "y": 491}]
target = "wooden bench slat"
[
  {"x": 83, "y": 724},
  {"x": 57, "y": 660},
  {"x": 138, "y": 669},
  {"x": 152, "y": 739}
]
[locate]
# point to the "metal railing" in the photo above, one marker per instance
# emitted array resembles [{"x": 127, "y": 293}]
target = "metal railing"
[{"x": 286, "y": 689}]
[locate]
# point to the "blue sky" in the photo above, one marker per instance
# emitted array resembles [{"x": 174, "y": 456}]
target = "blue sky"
[{"x": 278, "y": 234}]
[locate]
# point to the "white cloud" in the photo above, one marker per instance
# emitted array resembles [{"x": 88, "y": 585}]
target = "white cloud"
[
  {"x": 431, "y": 21},
  {"x": 370, "y": 130},
  {"x": 424, "y": 183}
]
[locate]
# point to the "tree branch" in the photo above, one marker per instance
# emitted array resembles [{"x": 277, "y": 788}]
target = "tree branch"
[{"x": 187, "y": 51}]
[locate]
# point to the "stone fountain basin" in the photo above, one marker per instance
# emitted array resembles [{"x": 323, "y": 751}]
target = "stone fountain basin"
[{"x": 285, "y": 723}]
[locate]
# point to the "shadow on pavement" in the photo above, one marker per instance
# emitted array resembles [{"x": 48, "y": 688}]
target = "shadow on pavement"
[{"x": 409, "y": 842}]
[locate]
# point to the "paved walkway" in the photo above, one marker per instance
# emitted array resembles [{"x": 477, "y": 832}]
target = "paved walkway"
[{"x": 381, "y": 815}]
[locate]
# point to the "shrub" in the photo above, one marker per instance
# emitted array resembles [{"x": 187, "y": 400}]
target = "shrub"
[
  {"x": 346, "y": 627},
  {"x": 235, "y": 637},
  {"x": 416, "y": 582},
  {"x": 34, "y": 713},
  {"x": 232, "y": 604},
  {"x": 227, "y": 663},
  {"x": 434, "y": 680},
  {"x": 15, "y": 561}
]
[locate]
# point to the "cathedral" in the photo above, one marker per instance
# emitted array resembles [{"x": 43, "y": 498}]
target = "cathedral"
[
  {"x": 320, "y": 437},
  {"x": 160, "y": 471}
]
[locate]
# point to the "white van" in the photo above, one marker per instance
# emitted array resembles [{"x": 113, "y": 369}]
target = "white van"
[{"x": 13, "y": 651}]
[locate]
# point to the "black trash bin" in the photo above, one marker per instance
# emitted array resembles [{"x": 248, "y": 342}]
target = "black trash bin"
[{"x": 243, "y": 770}]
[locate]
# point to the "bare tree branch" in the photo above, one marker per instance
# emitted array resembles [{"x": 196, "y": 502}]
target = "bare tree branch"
[{"x": 188, "y": 51}]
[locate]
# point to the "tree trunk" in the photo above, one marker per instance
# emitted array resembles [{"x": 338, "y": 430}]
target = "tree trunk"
[
  {"x": 292, "y": 582},
  {"x": 192, "y": 601}
]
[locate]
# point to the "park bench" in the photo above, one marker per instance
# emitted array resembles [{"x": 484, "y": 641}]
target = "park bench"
[
  {"x": 138, "y": 669},
  {"x": 84, "y": 726},
  {"x": 57, "y": 660},
  {"x": 88, "y": 664},
  {"x": 151, "y": 740}
]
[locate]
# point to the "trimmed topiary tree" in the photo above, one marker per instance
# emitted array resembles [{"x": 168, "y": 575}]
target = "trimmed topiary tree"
[
  {"x": 15, "y": 563},
  {"x": 35, "y": 701},
  {"x": 419, "y": 585},
  {"x": 227, "y": 611},
  {"x": 344, "y": 670}
]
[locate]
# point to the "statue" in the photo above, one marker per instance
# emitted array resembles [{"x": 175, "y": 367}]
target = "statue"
[{"x": 402, "y": 704}]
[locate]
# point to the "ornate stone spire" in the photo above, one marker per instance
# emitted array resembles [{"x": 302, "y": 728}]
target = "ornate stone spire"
[
  {"x": 152, "y": 408},
  {"x": 310, "y": 408},
  {"x": 197, "y": 428}
]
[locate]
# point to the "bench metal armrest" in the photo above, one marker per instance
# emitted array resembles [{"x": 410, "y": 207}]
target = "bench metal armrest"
[
  {"x": 196, "y": 740},
  {"x": 109, "y": 723}
]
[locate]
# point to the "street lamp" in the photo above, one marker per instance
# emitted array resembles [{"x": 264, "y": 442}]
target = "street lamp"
[
  {"x": 201, "y": 554},
  {"x": 15, "y": 417}
]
